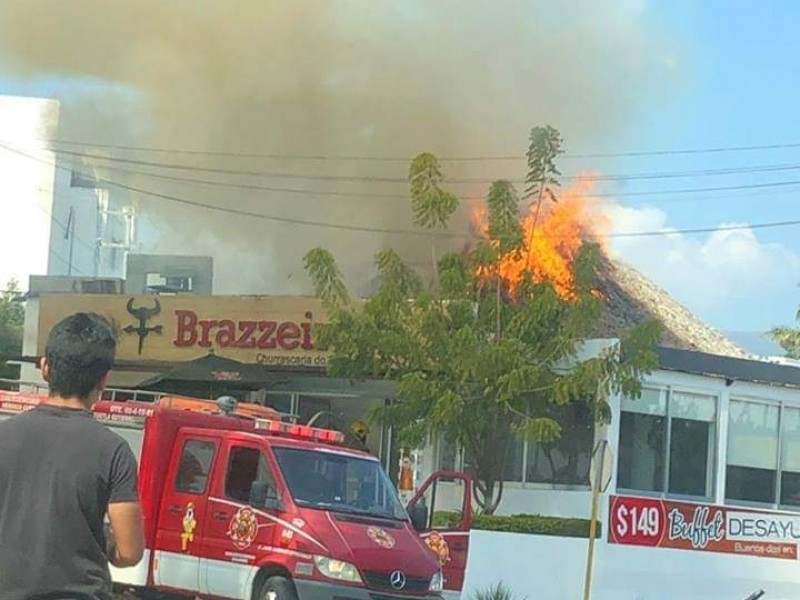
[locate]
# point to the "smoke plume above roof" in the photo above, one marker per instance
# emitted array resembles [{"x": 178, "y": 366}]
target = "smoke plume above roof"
[{"x": 332, "y": 78}]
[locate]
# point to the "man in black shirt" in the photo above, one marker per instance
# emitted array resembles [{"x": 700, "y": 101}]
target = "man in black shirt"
[{"x": 61, "y": 472}]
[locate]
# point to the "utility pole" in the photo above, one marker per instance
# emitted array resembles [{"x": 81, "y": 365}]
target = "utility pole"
[{"x": 69, "y": 233}]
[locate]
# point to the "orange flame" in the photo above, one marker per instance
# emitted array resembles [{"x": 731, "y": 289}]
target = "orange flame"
[{"x": 551, "y": 241}]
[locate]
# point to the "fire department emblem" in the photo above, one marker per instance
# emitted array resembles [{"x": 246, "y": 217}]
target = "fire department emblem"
[
  {"x": 243, "y": 528},
  {"x": 439, "y": 546},
  {"x": 381, "y": 537},
  {"x": 189, "y": 525}
]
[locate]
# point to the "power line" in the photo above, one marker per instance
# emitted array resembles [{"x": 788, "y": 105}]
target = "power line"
[
  {"x": 303, "y": 222},
  {"x": 249, "y": 186},
  {"x": 304, "y": 191},
  {"x": 437, "y": 233},
  {"x": 509, "y": 157},
  {"x": 246, "y": 213},
  {"x": 402, "y": 180},
  {"x": 404, "y": 196},
  {"x": 664, "y": 232}
]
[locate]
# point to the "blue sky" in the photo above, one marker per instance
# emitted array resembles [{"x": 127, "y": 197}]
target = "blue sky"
[
  {"x": 739, "y": 65},
  {"x": 736, "y": 84}
]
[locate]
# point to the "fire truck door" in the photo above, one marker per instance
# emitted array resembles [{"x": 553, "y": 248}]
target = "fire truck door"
[
  {"x": 242, "y": 499},
  {"x": 182, "y": 514},
  {"x": 441, "y": 511}
]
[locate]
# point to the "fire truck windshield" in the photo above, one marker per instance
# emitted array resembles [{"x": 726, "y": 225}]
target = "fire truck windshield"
[{"x": 340, "y": 483}]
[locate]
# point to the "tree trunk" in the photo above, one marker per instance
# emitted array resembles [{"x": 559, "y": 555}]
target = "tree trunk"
[
  {"x": 434, "y": 266},
  {"x": 488, "y": 455},
  {"x": 484, "y": 494}
]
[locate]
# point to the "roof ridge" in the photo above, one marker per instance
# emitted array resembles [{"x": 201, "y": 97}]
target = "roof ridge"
[{"x": 684, "y": 329}]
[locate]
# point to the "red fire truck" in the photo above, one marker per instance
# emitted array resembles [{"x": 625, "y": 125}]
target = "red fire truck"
[{"x": 239, "y": 504}]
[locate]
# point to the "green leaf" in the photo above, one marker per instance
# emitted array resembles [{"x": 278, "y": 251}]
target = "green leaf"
[
  {"x": 544, "y": 147},
  {"x": 326, "y": 277},
  {"x": 396, "y": 276},
  {"x": 12, "y": 318},
  {"x": 504, "y": 218},
  {"x": 542, "y": 429},
  {"x": 432, "y": 206},
  {"x": 788, "y": 338}
]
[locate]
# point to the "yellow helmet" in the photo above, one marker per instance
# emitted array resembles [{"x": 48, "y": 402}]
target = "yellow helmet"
[{"x": 360, "y": 428}]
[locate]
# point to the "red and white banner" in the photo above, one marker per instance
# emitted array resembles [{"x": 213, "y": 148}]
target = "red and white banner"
[
  {"x": 120, "y": 412},
  {"x": 637, "y": 521},
  {"x": 15, "y": 402}
]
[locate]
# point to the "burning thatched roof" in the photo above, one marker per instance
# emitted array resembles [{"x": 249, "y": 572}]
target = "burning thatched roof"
[{"x": 631, "y": 298}]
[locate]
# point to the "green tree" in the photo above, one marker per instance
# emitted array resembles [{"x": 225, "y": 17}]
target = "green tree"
[
  {"x": 788, "y": 338},
  {"x": 475, "y": 360},
  {"x": 431, "y": 205},
  {"x": 543, "y": 149},
  {"x": 12, "y": 317}
]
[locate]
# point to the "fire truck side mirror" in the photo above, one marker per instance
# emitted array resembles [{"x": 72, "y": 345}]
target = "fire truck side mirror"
[
  {"x": 419, "y": 517},
  {"x": 264, "y": 495}
]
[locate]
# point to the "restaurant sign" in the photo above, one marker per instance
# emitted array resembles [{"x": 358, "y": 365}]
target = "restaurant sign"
[
  {"x": 637, "y": 521},
  {"x": 271, "y": 330}
]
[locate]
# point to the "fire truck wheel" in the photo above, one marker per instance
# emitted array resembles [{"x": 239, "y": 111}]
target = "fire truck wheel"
[{"x": 278, "y": 588}]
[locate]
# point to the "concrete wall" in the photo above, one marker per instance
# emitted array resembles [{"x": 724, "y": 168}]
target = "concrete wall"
[{"x": 93, "y": 226}]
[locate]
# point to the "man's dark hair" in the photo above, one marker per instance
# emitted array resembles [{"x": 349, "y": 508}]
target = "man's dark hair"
[{"x": 80, "y": 351}]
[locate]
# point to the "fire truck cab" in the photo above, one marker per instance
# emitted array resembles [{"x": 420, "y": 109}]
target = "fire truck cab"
[{"x": 238, "y": 504}]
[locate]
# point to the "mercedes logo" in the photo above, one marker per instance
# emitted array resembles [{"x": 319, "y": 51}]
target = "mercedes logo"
[{"x": 398, "y": 580}]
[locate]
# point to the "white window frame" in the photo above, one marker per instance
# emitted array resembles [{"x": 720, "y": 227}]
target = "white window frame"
[
  {"x": 782, "y": 405},
  {"x": 724, "y": 491},
  {"x": 521, "y": 485},
  {"x": 714, "y": 452}
]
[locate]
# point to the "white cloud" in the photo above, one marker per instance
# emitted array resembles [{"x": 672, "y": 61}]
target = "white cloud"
[{"x": 728, "y": 277}]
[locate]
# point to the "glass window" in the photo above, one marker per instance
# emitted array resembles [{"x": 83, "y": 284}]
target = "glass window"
[
  {"x": 642, "y": 442},
  {"x": 566, "y": 461},
  {"x": 339, "y": 482},
  {"x": 442, "y": 505},
  {"x": 309, "y": 406},
  {"x": 790, "y": 457},
  {"x": 246, "y": 466},
  {"x": 194, "y": 467},
  {"x": 282, "y": 402},
  {"x": 689, "y": 422},
  {"x": 516, "y": 448},
  {"x": 693, "y": 436},
  {"x": 752, "y": 458}
]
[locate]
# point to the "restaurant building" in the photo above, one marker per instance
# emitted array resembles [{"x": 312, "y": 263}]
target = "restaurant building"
[{"x": 710, "y": 427}]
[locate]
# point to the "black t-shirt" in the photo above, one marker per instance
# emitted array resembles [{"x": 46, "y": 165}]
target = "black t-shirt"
[{"x": 59, "y": 471}]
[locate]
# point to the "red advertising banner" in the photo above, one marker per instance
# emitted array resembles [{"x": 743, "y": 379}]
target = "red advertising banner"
[
  {"x": 15, "y": 402},
  {"x": 122, "y": 412},
  {"x": 637, "y": 521}
]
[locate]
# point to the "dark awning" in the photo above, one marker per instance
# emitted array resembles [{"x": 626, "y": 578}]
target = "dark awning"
[
  {"x": 217, "y": 369},
  {"x": 730, "y": 369}
]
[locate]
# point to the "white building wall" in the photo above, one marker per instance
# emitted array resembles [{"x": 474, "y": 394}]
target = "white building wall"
[
  {"x": 27, "y": 189},
  {"x": 549, "y": 500},
  {"x": 89, "y": 234}
]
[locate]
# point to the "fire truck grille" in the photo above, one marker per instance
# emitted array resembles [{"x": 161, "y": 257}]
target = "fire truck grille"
[{"x": 414, "y": 585}]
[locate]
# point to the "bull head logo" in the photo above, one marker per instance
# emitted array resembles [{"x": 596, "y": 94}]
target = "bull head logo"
[{"x": 142, "y": 315}]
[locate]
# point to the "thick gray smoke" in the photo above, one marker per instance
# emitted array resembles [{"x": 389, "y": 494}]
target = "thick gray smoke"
[{"x": 327, "y": 77}]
